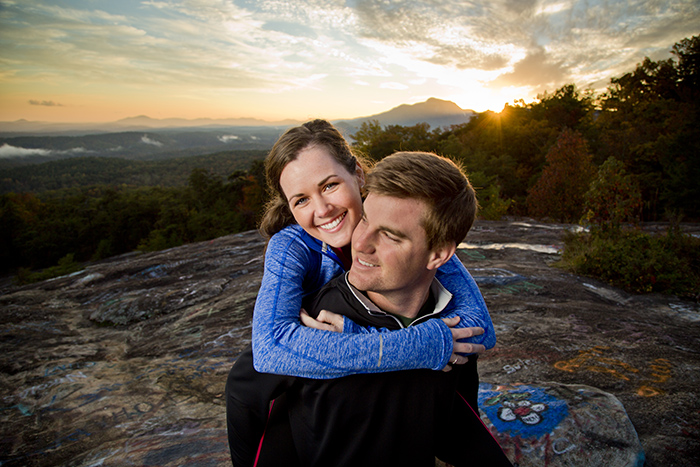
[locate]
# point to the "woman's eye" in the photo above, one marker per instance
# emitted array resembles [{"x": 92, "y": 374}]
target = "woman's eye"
[
  {"x": 329, "y": 186},
  {"x": 300, "y": 201}
]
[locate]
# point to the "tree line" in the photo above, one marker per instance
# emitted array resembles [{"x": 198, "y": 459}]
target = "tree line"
[
  {"x": 99, "y": 221},
  {"x": 85, "y": 171}
]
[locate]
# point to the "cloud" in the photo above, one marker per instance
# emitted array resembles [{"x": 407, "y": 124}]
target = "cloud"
[
  {"x": 394, "y": 86},
  {"x": 197, "y": 49},
  {"x": 536, "y": 70},
  {"x": 7, "y": 151},
  {"x": 12, "y": 151},
  {"x": 459, "y": 35},
  {"x": 293, "y": 29},
  {"x": 45, "y": 103},
  {"x": 227, "y": 138},
  {"x": 145, "y": 139},
  {"x": 529, "y": 43},
  {"x": 178, "y": 48}
]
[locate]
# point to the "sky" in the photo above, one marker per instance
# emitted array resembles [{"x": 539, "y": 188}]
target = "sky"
[{"x": 104, "y": 60}]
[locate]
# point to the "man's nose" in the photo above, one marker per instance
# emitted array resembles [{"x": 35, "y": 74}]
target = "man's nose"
[{"x": 362, "y": 239}]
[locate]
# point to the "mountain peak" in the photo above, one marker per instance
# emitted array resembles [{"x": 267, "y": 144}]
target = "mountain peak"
[
  {"x": 433, "y": 106},
  {"x": 436, "y": 112}
]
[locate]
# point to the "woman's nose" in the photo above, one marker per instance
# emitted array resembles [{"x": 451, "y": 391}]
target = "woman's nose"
[{"x": 322, "y": 208}]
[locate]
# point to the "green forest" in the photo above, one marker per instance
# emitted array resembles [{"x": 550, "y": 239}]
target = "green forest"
[{"x": 609, "y": 161}]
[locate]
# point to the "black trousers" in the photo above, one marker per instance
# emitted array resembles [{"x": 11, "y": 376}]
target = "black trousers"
[{"x": 250, "y": 415}]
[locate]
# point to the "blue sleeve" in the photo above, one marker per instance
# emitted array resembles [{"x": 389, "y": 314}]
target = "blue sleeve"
[
  {"x": 467, "y": 301},
  {"x": 282, "y": 345}
]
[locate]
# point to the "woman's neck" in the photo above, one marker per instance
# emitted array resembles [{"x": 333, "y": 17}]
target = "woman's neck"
[{"x": 345, "y": 256}]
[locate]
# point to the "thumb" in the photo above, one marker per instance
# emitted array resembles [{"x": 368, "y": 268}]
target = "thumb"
[{"x": 451, "y": 322}]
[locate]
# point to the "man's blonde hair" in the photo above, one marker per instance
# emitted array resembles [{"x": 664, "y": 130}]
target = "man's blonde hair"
[{"x": 437, "y": 181}]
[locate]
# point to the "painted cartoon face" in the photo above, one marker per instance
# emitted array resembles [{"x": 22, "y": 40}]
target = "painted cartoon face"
[
  {"x": 523, "y": 410},
  {"x": 323, "y": 196}
]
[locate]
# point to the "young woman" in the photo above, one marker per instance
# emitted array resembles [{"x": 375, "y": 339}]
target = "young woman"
[{"x": 316, "y": 184}]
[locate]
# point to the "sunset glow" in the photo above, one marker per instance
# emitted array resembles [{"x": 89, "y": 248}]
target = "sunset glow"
[{"x": 100, "y": 60}]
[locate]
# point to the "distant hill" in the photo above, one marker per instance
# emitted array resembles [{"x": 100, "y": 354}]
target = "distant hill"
[
  {"x": 436, "y": 112},
  {"x": 139, "y": 123},
  {"x": 152, "y": 145},
  {"x": 144, "y": 138}
]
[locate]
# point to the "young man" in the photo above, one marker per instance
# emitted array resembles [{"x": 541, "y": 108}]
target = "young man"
[{"x": 419, "y": 208}]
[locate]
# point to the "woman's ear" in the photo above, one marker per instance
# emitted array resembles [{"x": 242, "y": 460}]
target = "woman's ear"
[{"x": 360, "y": 174}]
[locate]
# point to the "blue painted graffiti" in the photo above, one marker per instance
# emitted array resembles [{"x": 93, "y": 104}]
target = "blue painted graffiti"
[{"x": 521, "y": 410}]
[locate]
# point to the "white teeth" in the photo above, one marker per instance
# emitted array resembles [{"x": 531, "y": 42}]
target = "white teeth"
[
  {"x": 364, "y": 263},
  {"x": 334, "y": 223}
]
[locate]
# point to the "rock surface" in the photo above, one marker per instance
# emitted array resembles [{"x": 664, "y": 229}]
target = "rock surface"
[
  {"x": 560, "y": 425},
  {"x": 125, "y": 362}
]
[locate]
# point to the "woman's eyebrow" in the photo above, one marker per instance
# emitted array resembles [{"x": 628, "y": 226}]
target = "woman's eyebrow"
[{"x": 321, "y": 183}]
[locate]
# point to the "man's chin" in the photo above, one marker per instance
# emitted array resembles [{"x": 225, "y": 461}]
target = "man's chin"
[
  {"x": 355, "y": 279},
  {"x": 359, "y": 280}
]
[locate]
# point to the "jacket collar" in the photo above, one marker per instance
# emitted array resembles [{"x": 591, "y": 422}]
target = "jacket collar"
[{"x": 441, "y": 294}]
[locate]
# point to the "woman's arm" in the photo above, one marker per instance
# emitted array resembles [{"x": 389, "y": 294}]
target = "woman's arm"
[
  {"x": 467, "y": 303},
  {"x": 282, "y": 345}
]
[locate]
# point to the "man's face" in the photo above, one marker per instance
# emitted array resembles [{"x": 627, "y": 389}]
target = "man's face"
[{"x": 389, "y": 246}]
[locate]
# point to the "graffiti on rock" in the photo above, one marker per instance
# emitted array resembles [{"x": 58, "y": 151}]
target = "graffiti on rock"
[
  {"x": 648, "y": 378},
  {"x": 526, "y": 411}
]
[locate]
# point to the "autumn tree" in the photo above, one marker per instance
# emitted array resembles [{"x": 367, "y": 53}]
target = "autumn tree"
[
  {"x": 565, "y": 108},
  {"x": 649, "y": 119},
  {"x": 613, "y": 197},
  {"x": 559, "y": 192}
]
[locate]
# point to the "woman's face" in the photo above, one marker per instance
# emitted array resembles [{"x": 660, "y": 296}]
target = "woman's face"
[{"x": 323, "y": 196}]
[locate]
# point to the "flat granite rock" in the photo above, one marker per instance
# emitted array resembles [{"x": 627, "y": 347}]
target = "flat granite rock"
[
  {"x": 125, "y": 362},
  {"x": 560, "y": 425}
]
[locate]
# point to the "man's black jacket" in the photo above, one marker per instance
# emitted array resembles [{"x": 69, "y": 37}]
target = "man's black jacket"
[{"x": 396, "y": 418}]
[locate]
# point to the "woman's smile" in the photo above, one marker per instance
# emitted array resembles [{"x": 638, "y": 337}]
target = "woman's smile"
[{"x": 334, "y": 223}]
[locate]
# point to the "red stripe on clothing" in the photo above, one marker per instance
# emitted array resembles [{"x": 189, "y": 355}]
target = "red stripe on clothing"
[{"x": 262, "y": 438}]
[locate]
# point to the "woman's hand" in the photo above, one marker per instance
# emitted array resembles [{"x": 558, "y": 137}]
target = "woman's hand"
[
  {"x": 326, "y": 321},
  {"x": 462, "y": 347}
]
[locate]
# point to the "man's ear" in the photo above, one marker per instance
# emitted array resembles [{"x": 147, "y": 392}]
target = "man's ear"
[{"x": 440, "y": 255}]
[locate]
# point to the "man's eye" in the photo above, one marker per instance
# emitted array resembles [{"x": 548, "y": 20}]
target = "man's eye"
[{"x": 391, "y": 237}]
